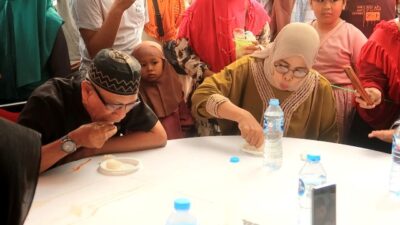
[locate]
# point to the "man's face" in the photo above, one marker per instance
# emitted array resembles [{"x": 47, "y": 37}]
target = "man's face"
[{"x": 104, "y": 106}]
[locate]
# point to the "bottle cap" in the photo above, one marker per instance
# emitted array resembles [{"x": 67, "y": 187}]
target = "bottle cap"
[
  {"x": 234, "y": 159},
  {"x": 313, "y": 158},
  {"x": 182, "y": 204},
  {"x": 274, "y": 102}
]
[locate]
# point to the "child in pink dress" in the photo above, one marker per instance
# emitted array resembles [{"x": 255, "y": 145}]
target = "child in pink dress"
[
  {"x": 340, "y": 45},
  {"x": 161, "y": 89}
]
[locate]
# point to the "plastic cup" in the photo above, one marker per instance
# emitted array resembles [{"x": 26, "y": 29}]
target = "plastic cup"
[{"x": 242, "y": 39}]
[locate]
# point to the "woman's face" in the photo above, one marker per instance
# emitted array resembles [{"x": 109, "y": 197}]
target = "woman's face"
[
  {"x": 289, "y": 73},
  {"x": 327, "y": 11},
  {"x": 152, "y": 67}
]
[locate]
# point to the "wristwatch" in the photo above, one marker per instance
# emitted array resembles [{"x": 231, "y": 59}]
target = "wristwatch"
[{"x": 68, "y": 145}]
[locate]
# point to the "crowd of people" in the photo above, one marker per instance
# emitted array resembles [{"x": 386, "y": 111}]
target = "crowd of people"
[{"x": 150, "y": 71}]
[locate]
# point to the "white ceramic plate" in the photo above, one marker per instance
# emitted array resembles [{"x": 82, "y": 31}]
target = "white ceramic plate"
[{"x": 119, "y": 166}]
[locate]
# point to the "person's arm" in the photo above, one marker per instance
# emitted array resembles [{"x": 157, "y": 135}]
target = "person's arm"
[
  {"x": 215, "y": 98},
  {"x": 250, "y": 128},
  {"x": 93, "y": 135},
  {"x": 385, "y": 135},
  {"x": 135, "y": 141},
  {"x": 97, "y": 138},
  {"x": 374, "y": 82},
  {"x": 374, "y": 94},
  {"x": 191, "y": 63},
  {"x": 104, "y": 37},
  {"x": 261, "y": 43},
  {"x": 51, "y": 154}
]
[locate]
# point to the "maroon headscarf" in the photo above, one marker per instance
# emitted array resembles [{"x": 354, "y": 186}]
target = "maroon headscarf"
[{"x": 165, "y": 94}]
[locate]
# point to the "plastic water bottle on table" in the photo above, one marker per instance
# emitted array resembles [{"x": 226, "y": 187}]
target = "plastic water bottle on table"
[
  {"x": 273, "y": 133},
  {"x": 311, "y": 175},
  {"x": 181, "y": 216}
]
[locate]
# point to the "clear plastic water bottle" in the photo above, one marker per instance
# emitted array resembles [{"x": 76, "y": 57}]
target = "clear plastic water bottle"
[
  {"x": 394, "y": 182},
  {"x": 181, "y": 216},
  {"x": 312, "y": 174},
  {"x": 273, "y": 132}
]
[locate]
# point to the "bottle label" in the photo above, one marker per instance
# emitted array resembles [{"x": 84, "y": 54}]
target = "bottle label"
[
  {"x": 274, "y": 125},
  {"x": 302, "y": 188}
]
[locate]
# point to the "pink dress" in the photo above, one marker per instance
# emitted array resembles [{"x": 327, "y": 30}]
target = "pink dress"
[{"x": 340, "y": 47}]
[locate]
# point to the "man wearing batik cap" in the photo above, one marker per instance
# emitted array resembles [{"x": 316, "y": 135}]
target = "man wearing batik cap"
[{"x": 101, "y": 114}]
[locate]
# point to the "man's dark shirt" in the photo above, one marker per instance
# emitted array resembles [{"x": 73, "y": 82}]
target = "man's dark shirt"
[
  {"x": 55, "y": 108},
  {"x": 365, "y": 14}
]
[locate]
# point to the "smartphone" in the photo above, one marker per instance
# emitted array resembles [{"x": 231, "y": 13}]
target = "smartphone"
[
  {"x": 323, "y": 205},
  {"x": 357, "y": 84}
]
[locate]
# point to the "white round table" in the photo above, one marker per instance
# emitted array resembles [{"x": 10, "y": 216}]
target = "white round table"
[{"x": 197, "y": 168}]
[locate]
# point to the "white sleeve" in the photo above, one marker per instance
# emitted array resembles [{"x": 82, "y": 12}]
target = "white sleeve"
[
  {"x": 87, "y": 14},
  {"x": 146, "y": 12}
]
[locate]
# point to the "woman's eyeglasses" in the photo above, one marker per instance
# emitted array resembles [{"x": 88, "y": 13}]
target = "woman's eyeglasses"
[
  {"x": 284, "y": 69},
  {"x": 115, "y": 107}
]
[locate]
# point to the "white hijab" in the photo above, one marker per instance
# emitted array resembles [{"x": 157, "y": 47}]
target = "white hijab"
[{"x": 295, "y": 39}]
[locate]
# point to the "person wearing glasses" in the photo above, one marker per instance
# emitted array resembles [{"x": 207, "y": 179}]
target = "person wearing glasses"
[
  {"x": 238, "y": 95},
  {"x": 100, "y": 114}
]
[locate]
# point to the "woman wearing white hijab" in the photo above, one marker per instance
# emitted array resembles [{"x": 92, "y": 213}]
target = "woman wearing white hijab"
[{"x": 239, "y": 94}]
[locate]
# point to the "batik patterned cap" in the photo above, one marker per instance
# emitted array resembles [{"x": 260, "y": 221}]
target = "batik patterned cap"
[{"x": 116, "y": 72}]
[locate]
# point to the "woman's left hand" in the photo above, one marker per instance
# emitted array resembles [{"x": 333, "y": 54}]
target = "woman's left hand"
[
  {"x": 384, "y": 135},
  {"x": 251, "y": 48}
]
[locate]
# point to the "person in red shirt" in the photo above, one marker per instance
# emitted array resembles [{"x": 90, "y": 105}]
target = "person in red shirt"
[{"x": 379, "y": 72}]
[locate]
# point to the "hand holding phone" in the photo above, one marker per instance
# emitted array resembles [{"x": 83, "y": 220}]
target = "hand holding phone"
[
  {"x": 357, "y": 84},
  {"x": 374, "y": 94}
]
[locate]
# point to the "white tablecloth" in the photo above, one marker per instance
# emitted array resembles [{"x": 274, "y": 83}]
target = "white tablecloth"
[{"x": 198, "y": 168}]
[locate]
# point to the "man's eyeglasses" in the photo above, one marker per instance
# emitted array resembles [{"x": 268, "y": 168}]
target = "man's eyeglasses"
[
  {"x": 284, "y": 69},
  {"x": 115, "y": 107}
]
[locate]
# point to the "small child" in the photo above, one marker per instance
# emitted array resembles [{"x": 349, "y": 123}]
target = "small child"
[
  {"x": 340, "y": 45},
  {"x": 161, "y": 90}
]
